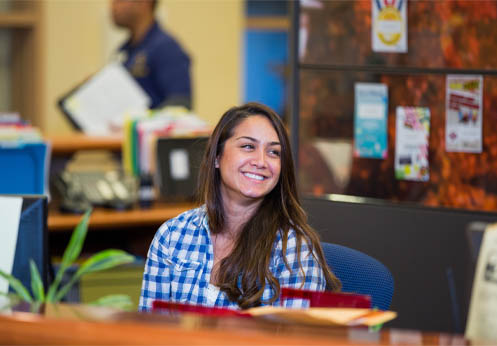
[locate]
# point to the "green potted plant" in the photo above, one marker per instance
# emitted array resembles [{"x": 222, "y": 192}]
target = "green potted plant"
[{"x": 102, "y": 260}]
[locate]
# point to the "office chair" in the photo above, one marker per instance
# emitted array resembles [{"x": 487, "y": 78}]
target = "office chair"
[{"x": 360, "y": 273}]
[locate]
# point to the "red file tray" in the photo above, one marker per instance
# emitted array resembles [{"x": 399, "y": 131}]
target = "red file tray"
[
  {"x": 327, "y": 299},
  {"x": 161, "y": 306}
]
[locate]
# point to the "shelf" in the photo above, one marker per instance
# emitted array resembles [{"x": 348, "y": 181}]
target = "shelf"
[
  {"x": 113, "y": 219},
  {"x": 17, "y": 20},
  {"x": 268, "y": 23},
  {"x": 71, "y": 143}
]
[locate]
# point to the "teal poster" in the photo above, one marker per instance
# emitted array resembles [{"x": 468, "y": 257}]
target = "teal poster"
[{"x": 370, "y": 120}]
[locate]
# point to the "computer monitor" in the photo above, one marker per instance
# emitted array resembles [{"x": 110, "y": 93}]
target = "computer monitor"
[
  {"x": 178, "y": 165},
  {"x": 474, "y": 237},
  {"x": 32, "y": 240},
  {"x": 426, "y": 250},
  {"x": 474, "y": 234}
]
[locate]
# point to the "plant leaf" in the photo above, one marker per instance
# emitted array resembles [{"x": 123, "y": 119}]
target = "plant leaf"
[
  {"x": 119, "y": 301},
  {"x": 17, "y": 286},
  {"x": 77, "y": 239},
  {"x": 36, "y": 283},
  {"x": 72, "y": 252},
  {"x": 105, "y": 259}
]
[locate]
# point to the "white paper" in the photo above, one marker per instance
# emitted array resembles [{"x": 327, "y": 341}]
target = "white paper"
[
  {"x": 179, "y": 165},
  {"x": 106, "y": 99},
  {"x": 482, "y": 320},
  {"x": 10, "y": 215},
  {"x": 389, "y": 26},
  {"x": 463, "y": 113},
  {"x": 411, "y": 143}
]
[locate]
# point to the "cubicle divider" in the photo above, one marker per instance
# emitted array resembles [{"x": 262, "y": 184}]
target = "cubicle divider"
[{"x": 426, "y": 250}]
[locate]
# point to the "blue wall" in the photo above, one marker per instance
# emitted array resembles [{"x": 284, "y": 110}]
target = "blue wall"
[{"x": 266, "y": 66}]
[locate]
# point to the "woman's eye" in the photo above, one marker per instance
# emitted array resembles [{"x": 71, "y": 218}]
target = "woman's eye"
[
  {"x": 275, "y": 153},
  {"x": 247, "y": 146}
]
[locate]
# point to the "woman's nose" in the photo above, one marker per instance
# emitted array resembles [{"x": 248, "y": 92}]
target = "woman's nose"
[{"x": 259, "y": 159}]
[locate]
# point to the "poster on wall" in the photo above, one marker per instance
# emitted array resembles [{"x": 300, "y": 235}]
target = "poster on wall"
[
  {"x": 463, "y": 113},
  {"x": 389, "y": 26},
  {"x": 411, "y": 143},
  {"x": 370, "y": 120}
]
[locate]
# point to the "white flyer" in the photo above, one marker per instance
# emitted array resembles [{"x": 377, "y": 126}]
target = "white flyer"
[
  {"x": 411, "y": 143},
  {"x": 389, "y": 26},
  {"x": 463, "y": 113},
  {"x": 482, "y": 321}
]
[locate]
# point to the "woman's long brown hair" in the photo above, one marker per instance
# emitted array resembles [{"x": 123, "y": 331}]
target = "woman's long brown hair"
[{"x": 245, "y": 272}]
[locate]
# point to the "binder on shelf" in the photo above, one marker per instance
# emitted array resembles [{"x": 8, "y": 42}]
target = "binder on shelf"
[{"x": 24, "y": 168}]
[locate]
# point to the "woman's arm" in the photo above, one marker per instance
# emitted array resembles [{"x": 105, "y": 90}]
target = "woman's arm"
[
  {"x": 156, "y": 276},
  {"x": 308, "y": 276}
]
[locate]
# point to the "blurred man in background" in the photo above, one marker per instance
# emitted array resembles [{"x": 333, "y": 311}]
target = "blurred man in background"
[{"x": 151, "y": 55}]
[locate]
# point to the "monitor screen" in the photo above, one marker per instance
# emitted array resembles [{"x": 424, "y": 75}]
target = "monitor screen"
[
  {"x": 178, "y": 165},
  {"x": 32, "y": 240}
]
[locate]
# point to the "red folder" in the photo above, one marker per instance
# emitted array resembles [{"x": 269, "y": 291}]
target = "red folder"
[
  {"x": 327, "y": 299},
  {"x": 162, "y": 306},
  {"x": 316, "y": 299}
]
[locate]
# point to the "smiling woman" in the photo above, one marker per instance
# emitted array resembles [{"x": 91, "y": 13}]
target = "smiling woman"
[
  {"x": 251, "y": 236},
  {"x": 250, "y": 163}
]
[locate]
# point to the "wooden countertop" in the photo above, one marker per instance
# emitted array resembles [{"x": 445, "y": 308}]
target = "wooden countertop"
[
  {"x": 108, "y": 218},
  {"x": 77, "y": 325}
]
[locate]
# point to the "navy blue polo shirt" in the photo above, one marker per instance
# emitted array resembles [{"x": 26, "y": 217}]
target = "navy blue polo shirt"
[{"x": 159, "y": 65}]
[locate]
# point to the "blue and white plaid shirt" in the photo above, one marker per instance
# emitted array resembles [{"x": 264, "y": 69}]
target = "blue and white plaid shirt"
[{"x": 181, "y": 257}]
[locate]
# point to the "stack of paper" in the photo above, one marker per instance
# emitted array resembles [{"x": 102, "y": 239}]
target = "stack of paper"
[
  {"x": 15, "y": 131},
  {"x": 326, "y": 316}
]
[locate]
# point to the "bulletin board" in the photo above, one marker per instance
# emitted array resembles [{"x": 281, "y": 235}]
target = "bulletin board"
[{"x": 445, "y": 40}]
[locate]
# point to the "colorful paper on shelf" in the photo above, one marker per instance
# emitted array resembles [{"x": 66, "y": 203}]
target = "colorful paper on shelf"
[
  {"x": 389, "y": 26},
  {"x": 126, "y": 148},
  {"x": 411, "y": 144},
  {"x": 463, "y": 113},
  {"x": 370, "y": 120}
]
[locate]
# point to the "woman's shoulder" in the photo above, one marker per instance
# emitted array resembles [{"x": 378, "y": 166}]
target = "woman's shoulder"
[
  {"x": 291, "y": 239},
  {"x": 190, "y": 219}
]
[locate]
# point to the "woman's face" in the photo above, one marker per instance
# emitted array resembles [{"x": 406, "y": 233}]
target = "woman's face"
[{"x": 250, "y": 164}]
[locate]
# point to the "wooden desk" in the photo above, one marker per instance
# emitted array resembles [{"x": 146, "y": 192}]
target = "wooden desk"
[
  {"x": 189, "y": 329},
  {"x": 108, "y": 218}
]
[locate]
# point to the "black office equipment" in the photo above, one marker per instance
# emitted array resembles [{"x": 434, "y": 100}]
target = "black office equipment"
[
  {"x": 178, "y": 164},
  {"x": 474, "y": 238},
  {"x": 32, "y": 240},
  {"x": 474, "y": 234},
  {"x": 94, "y": 179}
]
